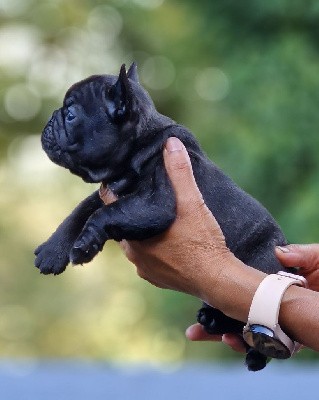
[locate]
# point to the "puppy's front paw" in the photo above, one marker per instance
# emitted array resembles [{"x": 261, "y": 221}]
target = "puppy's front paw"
[
  {"x": 87, "y": 245},
  {"x": 51, "y": 258}
]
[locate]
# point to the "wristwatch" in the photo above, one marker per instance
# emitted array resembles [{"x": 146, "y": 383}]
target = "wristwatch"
[{"x": 262, "y": 331}]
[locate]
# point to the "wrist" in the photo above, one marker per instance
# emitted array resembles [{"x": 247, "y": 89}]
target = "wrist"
[
  {"x": 263, "y": 331},
  {"x": 231, "y": 290}
]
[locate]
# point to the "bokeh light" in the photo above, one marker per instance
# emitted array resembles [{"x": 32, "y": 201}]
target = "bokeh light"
[
  {"x": 158, "y": 72},
  {"x": 18, "y": 42},
  {"x": 29, "y": 163},
  {"x": 14, "y": 8},
  {"x": 212, "y": 84},
  {"x": 49, "y": 62},
  {"x": 107, "y": 22},
  {"x": 22, "y": 102}
]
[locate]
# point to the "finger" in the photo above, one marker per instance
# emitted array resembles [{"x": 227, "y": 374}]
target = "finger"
[
  {"x": 106, "y": 195},
  {"x": 299, "y": 255},
  {"x": 179, "y": 169},
  {"x": 236, "y": 342},
  {"x": 197, "y": 333}
]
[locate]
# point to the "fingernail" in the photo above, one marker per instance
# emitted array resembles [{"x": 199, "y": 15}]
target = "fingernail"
[
  {"x": 189, "y": 331},
  {"x": 173, "y": 144},
  {"x": 283, "y": 249}
]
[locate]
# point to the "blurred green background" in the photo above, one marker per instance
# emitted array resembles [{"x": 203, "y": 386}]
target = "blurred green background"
[{"x": 242, "y": 75}]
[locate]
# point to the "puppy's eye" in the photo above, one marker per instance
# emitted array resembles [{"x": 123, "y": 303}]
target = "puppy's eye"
[{"x": 70, "y": 116}]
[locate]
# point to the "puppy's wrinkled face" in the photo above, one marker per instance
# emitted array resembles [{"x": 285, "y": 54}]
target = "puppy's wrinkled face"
[{"x": 84, "y": 135}]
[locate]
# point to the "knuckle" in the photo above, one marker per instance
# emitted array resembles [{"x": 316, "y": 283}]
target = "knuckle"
[
  {"x": 307, "y": 254},
  {"x": 193, "y": 205},
  {"x": 314, "y": 259},
  {"x": 182, "y": 165}
]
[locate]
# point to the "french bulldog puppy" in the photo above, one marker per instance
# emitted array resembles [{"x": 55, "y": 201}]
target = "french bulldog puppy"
[{"x": 109, "y": 131}]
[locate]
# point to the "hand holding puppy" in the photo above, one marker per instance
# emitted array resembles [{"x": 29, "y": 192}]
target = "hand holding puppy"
[
  {"x": 176, "y": 260},
  {"x": 172, "y": 260}
]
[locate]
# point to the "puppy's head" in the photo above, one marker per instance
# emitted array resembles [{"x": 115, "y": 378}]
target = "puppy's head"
[{"x": 93, "y": 133}]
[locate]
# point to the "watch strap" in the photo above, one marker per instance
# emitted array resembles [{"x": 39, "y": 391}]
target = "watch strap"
[{"x": 265, "y": 306}]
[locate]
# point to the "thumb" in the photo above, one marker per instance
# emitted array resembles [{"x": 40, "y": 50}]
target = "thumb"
[
  {"x": 180, "y": 172},
  {"x": 299, "y": 255}
]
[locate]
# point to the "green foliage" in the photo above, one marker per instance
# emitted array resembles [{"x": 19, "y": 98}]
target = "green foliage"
[{"x": 242, "y": 75}]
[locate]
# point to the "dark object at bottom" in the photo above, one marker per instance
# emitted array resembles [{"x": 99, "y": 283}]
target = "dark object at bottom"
[{"x": 217, "y": 323}]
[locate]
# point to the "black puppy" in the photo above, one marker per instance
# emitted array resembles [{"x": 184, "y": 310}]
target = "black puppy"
[{"x": 109, "y": 131}]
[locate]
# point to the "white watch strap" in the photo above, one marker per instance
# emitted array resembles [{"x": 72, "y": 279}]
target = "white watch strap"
[{"x": 264, "y": 309}]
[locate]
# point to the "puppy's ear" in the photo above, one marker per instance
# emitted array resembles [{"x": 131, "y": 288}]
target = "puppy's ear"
[
  {"x": 132, "y": 72},
  {"x": 122, "y": 96}
]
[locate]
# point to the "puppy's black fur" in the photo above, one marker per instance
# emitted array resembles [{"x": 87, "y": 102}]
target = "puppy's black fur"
[{"x": 109, "y": 131}]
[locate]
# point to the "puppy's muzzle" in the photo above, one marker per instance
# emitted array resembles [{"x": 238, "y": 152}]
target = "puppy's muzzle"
[
  {"x": 47, "y": 139},
  {"x": 50, "y": 142}
]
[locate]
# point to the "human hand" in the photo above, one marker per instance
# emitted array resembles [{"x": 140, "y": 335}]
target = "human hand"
[
  {"x": 196, "y": 333},
  {"x": 304, "y": 256},
  {"x": 177, "y": 258},
  {"x": 192, "y": 252}
]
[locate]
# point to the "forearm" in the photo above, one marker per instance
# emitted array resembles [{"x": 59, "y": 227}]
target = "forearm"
[
  {"x": 234, "y": 291},
  {"x": 299, "y": 316}
]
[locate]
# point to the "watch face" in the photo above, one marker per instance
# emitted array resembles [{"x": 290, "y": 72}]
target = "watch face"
[{"x": 263, "y": 340}]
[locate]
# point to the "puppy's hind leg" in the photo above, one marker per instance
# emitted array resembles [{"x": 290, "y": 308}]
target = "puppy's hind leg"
[
  {"x": 217, "y": 323},
  {"x": 255, "y": 361}
]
